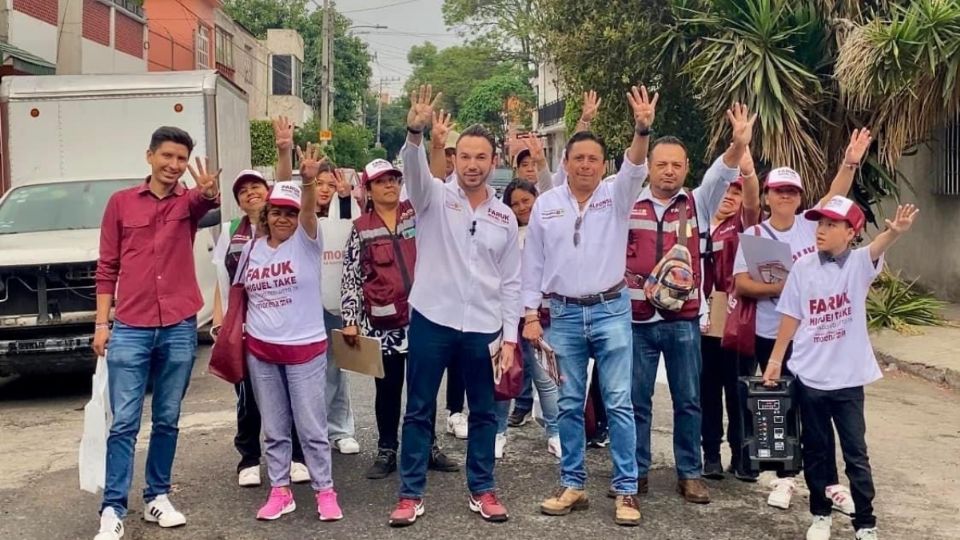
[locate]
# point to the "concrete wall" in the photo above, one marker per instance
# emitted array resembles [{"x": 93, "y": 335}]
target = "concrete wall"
[
  {"x": 33, "y": 35},
  {"x": 931, "y": 251},
  {"x": 282, "y": 41},
  {"x": 100, "y": 59},
  {"x": 97, "y": 37},
  {"x": 290, "y": 106},
  {"x": 250, "y": 65}
]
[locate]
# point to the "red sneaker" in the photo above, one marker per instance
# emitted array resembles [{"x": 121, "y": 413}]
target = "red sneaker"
[
  {"x": 406, "y": 512},
  {"x": 488, "y": 506}
]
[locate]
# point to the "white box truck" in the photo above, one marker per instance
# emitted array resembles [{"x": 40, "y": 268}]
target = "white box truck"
[{"x": 68, "y": 143}]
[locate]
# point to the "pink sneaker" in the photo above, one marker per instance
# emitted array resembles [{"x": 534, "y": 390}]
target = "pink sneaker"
[
  {"x": 279, "y": 503},
  {"x": 327, "y": 505}
]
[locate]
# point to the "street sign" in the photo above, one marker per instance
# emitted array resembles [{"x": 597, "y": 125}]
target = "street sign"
[{"x": 326, "y": 135}]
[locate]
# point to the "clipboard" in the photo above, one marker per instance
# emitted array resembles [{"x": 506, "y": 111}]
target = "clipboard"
[
  {"x": 367, "y": 359},
  {"x": 768, "y": 261}
]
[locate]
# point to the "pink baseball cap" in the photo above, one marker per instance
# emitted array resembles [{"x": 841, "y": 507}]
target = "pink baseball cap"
[
  {"x": 285, "y": 194},
  {"x": 840, "y": 209},
  {"x": 784, "y": 177},
  {"x": 377, "y": 168}
]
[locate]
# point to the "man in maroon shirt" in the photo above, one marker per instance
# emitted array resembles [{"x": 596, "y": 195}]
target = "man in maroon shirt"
[{"x": 146, "y": 262}]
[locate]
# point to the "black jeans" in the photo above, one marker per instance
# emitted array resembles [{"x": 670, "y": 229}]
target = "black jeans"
[
  {"x": 456, "y": 391},
  {"x": 762, "y": 349},
  {"x": 718, "y": 383},
  {"x": 247, "y": 439},
  {"x": 844, "y": 408},
  {"x": 387, "y": 403}
]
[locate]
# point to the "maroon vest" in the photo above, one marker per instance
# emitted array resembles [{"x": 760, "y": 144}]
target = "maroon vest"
[
  {"x": 649, "y": 239},
  {"x": 387, "y": 261},
  {"x": 721, "y": 250}
]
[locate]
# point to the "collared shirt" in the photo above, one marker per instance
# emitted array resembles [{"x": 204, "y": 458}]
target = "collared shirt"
[
  {"x": 707, "y": 196},
  {"x": 840, "y": 259},
  {"x": 467, "y": 275},
  {"x": 146, "y": 244},
  {"x": 551, "y": 262}
]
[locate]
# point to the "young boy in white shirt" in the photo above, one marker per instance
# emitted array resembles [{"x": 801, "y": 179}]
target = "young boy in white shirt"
[{"x": 823, "y": 307}]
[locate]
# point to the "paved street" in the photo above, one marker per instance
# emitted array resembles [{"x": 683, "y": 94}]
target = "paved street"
[{"x": 914, "y": 436}]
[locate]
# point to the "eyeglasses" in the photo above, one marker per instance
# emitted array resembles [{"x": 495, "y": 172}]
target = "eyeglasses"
[{"x": 576, "y": 231}]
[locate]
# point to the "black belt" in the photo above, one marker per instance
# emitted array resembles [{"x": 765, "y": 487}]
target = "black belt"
[{"x": 591, "y": 299}]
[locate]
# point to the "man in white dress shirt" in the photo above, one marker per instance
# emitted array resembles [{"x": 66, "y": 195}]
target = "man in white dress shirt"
[{"x": 575, "y": 254}]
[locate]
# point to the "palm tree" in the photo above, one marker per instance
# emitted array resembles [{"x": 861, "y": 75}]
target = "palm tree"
[{"x": 816, "y": 69}]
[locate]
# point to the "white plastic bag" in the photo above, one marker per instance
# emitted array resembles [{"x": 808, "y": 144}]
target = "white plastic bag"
[{"x": 96, "y": 427}]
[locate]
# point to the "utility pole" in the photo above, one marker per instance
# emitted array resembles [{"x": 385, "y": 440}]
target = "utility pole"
[
  {"x": 380, "y": 100},
  {"x": 325, "y": 68},
  {"x": 328, "y": 37}
]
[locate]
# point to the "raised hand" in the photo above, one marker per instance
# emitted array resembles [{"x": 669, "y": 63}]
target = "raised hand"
[
  {"x": 533, "y": 144},
  {"x": 421, "y": 107},
  {"x": 208, "y": 182},
  {"x": 644, "y": 108},
  {"x": 902, "y": 222},
  {"x": 440, "y": 128},
  {"x": 283, "y": 133},
  {"x": 741, "y": 123},
  {"x": 747, "y": 167},
  {"x": 860, "y": 141},
  {"x": 343, "y": 185},
  {"x": 310, "y": 161},
  {"x": 591, "y": 104}
]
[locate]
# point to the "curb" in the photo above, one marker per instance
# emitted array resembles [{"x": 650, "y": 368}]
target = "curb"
[{"x": 942, "y": 376}]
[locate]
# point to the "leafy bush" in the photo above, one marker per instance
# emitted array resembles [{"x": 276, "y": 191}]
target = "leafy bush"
[
  {"x": 263, "y": 147},
  {"x": 901, "y": 305}
]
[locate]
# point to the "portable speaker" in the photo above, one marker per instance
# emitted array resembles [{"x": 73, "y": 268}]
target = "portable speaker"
[{"x": 771, "y": 425}]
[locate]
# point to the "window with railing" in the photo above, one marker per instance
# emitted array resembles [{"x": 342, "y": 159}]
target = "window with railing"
[
  {"x": 551, "y": 113},
  {"x": 948, "y": 176},
  {"x": 286, "y": 75},
  {"x": 224, "y": 48},
  {"x": 203, "y": 48},
  {"x": 132, "y": 6}
]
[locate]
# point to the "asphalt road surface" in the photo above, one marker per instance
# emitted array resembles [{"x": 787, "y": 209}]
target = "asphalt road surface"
[{"x": 913, "y": 434}]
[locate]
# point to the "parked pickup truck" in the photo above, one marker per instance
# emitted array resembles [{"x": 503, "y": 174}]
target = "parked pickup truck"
[{"x": 69, "y": 143}]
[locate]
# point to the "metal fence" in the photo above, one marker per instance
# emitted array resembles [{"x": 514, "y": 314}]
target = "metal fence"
[{"x": 948, "y": 174}]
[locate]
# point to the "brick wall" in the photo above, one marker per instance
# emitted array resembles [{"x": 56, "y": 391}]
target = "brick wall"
[
  {"x": 45, "y": 10},
  {"x": 129, "y": 38},
  {"x": 96, "y": 22}
]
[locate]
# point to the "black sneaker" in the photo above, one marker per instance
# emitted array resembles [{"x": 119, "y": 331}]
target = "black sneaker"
[
  {"x": 518, "y": 417},
  {"x": 712, "y": 468},
  {"x": 742, "y": 475},
  {"x": 600, "y": 440},
  {"x": 385, "y": 464},
  {"x": 440, "y": 462}
]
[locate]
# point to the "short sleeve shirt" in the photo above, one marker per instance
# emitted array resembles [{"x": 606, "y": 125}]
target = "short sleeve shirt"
[{"x": 831, "y": 349}]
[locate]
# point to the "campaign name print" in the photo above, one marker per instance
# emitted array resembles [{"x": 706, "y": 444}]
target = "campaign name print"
[
  {"x": 268, "y": 277},
  {"x": 601, "y": 204},
  {"x": 333, "y": 256},
  {"x": 804, "y": 251},
  {"x": 828, "y": 316},
  {"x": 498, "y": 217}
]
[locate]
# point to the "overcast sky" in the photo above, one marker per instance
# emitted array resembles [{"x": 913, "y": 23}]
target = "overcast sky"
[{"x": 409, "y": 22}]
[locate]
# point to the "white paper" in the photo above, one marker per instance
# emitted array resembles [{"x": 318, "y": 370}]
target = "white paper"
[{"x": 768, "y": 261}]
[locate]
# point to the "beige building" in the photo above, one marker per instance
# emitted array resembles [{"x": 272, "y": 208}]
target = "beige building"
[
  {"x": 285, "y": 48},
  {"x": 548, "y": 116}
]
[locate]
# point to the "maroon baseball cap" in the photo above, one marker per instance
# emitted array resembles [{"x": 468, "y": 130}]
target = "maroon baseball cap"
[
  {"x": 840, "y": 209},
  {"x": 285, "y": 194}
]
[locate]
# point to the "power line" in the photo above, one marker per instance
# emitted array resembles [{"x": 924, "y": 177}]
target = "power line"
[{"x": 400, "y": 3}]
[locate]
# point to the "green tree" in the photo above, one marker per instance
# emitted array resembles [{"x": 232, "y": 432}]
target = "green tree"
[
  {"x": 575, "y": 32},
  {"x": 263, "y": 148},
  {"x": 352, "y": 144},
  {"x": 455, "y": 71},
  {"x": 815, "y": 70},
  {"x": 393, "y": 123},
  {"x": 506, "y": 25},
  {"x": 489, "y": 101},
  {"x": 351, "y": 59}
]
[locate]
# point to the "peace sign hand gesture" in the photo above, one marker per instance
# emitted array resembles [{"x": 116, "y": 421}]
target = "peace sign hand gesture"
[
  {"x": 310, "y": 161},
  {"x": 741, "y": 123},
  {"x": 208, "y": 182},
  {"x": 860, "y": 141},
  {"x": 421, "y": 107},
  {"x": 283, "y": 133},
  {"x": 902, "y": 222},
  {"x": 644, "y": 108}
]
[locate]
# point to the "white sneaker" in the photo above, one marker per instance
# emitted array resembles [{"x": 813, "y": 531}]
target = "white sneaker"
[
  {"x": 457, "y": 425},
  {"x": 249, "y": 477},
  {"x": 111, "y": 527},
  {"x": 842, "y": 499},
  {"x": 299, "y": 474},
  {"x": 161, "y": 512},
  {"x": 553, "y": 446},
  {"x": 820, "y": 528},
  {"x": 347, "y": 445},
  {"x": 783, "y": 489},
  {"x": 867, "y": 534},
  {"x": 500, "y": 445}
]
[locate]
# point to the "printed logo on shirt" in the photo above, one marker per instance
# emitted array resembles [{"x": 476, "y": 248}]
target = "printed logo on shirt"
[
  {"x": 454, "y": 205},
  {"x": 805, "y": 251},
  {"x": 277, "y": 278},
  {"x": 602, "y": 204},
  {"x": 640, "y": 212},
  {"x": 333, "y": 256},
  {"x": 498, "y": 217},
  {"x": 551, "y": 214},
  {"x": 829, "y": 317}
]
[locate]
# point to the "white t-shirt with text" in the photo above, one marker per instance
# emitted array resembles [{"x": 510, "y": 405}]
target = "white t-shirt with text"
[
  {"x": 285, "y": 305},
  {"x": 831, "y": 349},
  {"x": 802, "y": 238}
]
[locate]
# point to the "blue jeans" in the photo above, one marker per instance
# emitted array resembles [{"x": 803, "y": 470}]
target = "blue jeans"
[
  {"x": 546, "y": 388},
  {"x": 601, "y": 331},
  {"x": 679, "y": 341},
  {"x": 136, "y": 355},
  {"x": 432, "y": 346},
  {"x": 524, "y": 402}
]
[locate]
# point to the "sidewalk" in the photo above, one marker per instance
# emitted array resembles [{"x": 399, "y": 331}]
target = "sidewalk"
[{"x": 933, "y": 355}]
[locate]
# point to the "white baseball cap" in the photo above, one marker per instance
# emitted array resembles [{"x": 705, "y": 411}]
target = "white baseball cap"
[
  {"x": 285, "y": 194},
  {"x": 377, "y": 168},
  {"x": 784, "y": 177}
]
